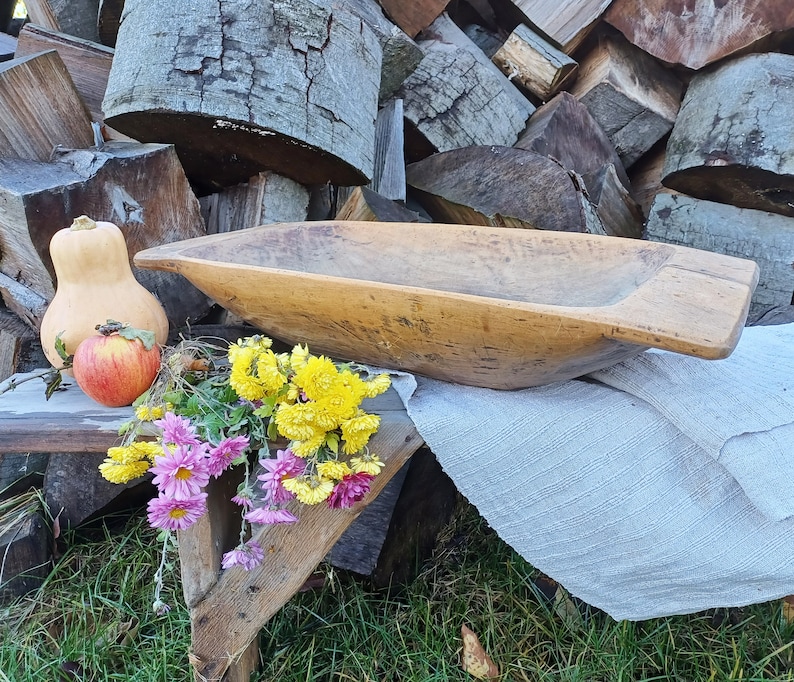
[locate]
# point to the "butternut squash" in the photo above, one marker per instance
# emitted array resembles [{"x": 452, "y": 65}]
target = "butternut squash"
[{"x": 94, "y": 284}]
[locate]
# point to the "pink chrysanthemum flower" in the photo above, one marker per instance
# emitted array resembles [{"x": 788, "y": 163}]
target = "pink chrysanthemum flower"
[
  {"x": 350, "y": 490},
  {"x": 177, "y": 430},
  {"x": 181, "y": 474},
  {"x": 170, "y": 514},
  {"x": 270, "y": 516},
  {"x": 244, "y": 498},
  {"x": 248, "y": 555},
  {"x": 284, "y": 465},
  {"x": 224, "y": 453}
]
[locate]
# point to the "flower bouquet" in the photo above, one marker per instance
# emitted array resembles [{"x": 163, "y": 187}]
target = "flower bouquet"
[{"x": 212, "y": 408}]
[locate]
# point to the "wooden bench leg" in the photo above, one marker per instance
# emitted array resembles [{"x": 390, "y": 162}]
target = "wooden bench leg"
[{"x": 228, "y": 608}]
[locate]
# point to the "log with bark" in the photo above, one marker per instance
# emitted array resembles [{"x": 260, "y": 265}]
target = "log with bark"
[
  {"x": 732, "y": 140},
  {"x": 239, "y": 89},
  {"x": 766, "y": 238}
]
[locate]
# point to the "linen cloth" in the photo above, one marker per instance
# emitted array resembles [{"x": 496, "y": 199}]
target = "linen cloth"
[{"x": 656, "y": 487}]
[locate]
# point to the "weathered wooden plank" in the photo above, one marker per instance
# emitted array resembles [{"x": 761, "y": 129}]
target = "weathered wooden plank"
[
  {"x": 290, "y": 87},
  {"x": 766, "y": 238},
  {"x": 695, "y": 34},
  {"x": 631, "y": 96},
  {"x": 22, "y": 301},
  {"x": 234, "y": 609},
  {"x": 25, "y": 554},
  {"x": 39, "y": 86},
  {"x": 388, "y": 178},
  {"x": 730, "y": 142}
]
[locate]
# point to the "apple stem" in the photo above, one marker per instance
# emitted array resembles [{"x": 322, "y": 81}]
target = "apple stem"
[{"x": 110, "y": 327}]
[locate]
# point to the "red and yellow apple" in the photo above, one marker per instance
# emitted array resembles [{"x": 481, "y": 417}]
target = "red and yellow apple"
[{"x": 115, "y": 366}]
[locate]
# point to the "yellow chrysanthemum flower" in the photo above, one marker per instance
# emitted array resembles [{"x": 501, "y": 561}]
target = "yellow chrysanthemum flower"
[
  {"x": 299, "y": 357},
  {"x": 316, "y": 377},
  {"x": 268, "y": 372},
  {"x": 146, "y": 449},
  {"x": 338, "y": 405},
  {"x": 309, "y": 489},
  {"x": 302, "y": 421},
  {"x": 148, "y": 414},
  {"x": 334, "y": 470},
  {"x": 308, "y": 447},
  {"x": 367, "y": 464},
  {"x": 354, "y": 385},
  {"x": 377, "y": 385},
  {"x": 357, "y": 431},
  {"x": 116, "y": 472}
]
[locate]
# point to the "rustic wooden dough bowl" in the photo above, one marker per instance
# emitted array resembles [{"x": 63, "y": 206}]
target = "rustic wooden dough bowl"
[{"x": 484, "y": 306}]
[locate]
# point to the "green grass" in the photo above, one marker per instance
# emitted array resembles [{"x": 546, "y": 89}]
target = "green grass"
[{"x": 101, "y": 590}]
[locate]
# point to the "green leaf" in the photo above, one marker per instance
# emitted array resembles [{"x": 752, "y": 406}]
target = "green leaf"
[
  {"x": 332, "y": 441},
  {"x": 146, "y": 337},
  {"x": 60, "y": 348},
  {"x": 54, "y": 381}
]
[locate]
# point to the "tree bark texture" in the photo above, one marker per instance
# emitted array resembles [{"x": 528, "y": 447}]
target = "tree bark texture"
[
  {"x": 241, "y": 87},
  {"x": 732, "y": 140}
]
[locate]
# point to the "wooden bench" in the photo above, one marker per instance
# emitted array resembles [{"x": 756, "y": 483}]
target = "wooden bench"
[{"x": 227, "y": 608}]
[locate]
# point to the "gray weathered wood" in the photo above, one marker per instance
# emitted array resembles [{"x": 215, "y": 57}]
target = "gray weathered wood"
[
  {"x": 24, "y": 556},
  {"x": 732, "y": 139},
  {"x": 25, "y": 303},
  {"x": 266, "y": 198},
  {"x": 620, "y": 214},
  {"x": 112, "y": 183},
  {"x": 534, "y": 63},
  {"x": 564, "y": 130},
  {"x": 75, "y": 17},
  {"x": 502, "y": 186},
  {"x": 646, "y": 177},
  {"x": 21, "y": 471},
  {"x": 108, "y": 17},
  {"x": 766, "y": 238},
  {"x": 39, "y": 86},
  {"x": 388, "y": 178},
  {"x": 457, "y": 97},
  {"x": 631, "y": 96},
  {"x": 401, "y": 55},
  {"x": 20, "y": 349},
  {"x": 241, "y": 88}
]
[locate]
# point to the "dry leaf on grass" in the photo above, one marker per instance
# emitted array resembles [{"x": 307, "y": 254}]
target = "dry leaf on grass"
[{"x": 475, "y": 661}]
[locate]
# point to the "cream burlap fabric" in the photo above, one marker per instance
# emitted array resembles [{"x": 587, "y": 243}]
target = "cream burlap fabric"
[{"x": 660, "y": 486}]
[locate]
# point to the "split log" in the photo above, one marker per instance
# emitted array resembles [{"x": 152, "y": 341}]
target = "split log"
[
  {"x": 567, "y": 22},
  {"x": 533, "y": 63},
  {"x": 732, "y": 141},
  {"x": 632, "y": 97},
  {"x": 75, "y": 17},
  {"x": 239, "y": 89},
  {"x": 564, "y": 130},
  {"x": 388, "y": 177},
  {"x": 20, "y": 349},
  {"x": 694, "y": 34},
  {"x": 620, "y": 214},
  {"x": 503, "y": 187},
  {"x": 21, "y": 471},
  {"x": 39, "y": 88},
  {"x": 457, "y": 97},
  {"x": 265, "y": 198},
  {"x": 413, "y": 17},
  {"x": 366, "y": 204},
  {"x": 766, "y": 238},
  {"x": 113, "y": 183},
  {"x": 401, "y": 55},
  {"x": 21, "y": 300},
  {"x": 25, "y": 553},
  {"x": 87, "y": 63}
]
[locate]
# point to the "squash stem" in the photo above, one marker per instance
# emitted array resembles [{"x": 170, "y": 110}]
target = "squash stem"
[{"x": 83, "y": 222}]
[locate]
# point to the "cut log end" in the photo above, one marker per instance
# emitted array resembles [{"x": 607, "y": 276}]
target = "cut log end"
[
  {"x": 738, "y": 185},
  {"x": 209, "y": 165}
]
